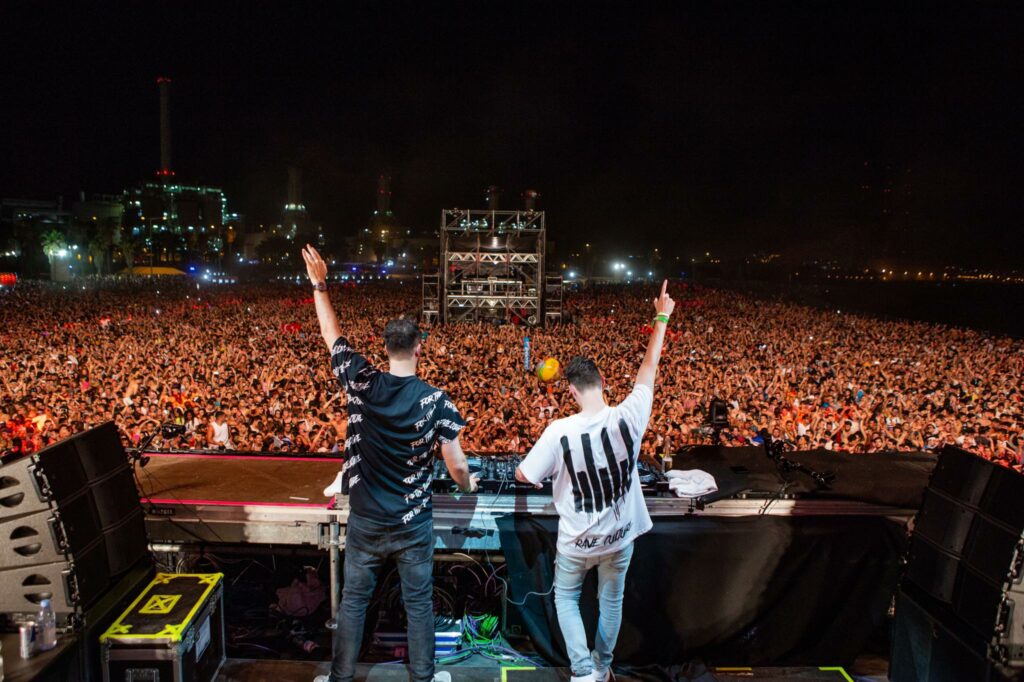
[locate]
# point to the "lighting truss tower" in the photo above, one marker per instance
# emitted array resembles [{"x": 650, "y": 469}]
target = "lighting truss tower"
[
  {"x": 431, "y": 298},
  {"x": 492, "y": 267},
  {"x": 552, "y": 299}
]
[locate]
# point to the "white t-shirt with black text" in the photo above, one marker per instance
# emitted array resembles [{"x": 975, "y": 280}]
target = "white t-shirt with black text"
[{"x": 596, "y": 486}]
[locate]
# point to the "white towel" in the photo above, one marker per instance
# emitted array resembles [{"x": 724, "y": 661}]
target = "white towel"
[
  {"x": 692, "y": 483},
  {"x": 334, "y": 488}
]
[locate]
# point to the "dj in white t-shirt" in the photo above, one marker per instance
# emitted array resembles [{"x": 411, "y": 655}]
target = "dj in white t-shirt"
[
  {"x": 592, "y": 458},
  {"x": 592, "y": 461}
]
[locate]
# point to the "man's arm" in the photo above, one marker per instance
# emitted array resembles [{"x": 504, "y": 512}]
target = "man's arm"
[
  {"x": 522, "y": 479},
  {"x": 663, "y": 306},
  {"x": 458, "y": 467},
  {"x": 316, "y": 268},
  {"x": 540, "y": 462}
]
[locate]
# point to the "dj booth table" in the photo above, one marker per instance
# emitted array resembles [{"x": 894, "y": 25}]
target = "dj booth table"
[{"x": 769, "y": 570}]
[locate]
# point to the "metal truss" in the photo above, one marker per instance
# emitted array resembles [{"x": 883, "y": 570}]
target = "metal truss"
[
  {"x": 552, "y": 299},
  {"x": 431, "y": 298},
  {"x": 492, "y": 268},
  {"x": 492, "y": 258},
  {"x": 459, "y": 220},
  {"x": 504, "y": 302}
]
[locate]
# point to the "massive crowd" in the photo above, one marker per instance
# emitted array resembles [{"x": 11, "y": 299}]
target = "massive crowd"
[{"x": 243, "y": 367}]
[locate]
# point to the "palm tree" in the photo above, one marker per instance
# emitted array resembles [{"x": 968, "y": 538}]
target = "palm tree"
[
  {"x": 104, "y": 235},
  {"x": 55, "y": 247},
  {"x": 128, "y": 246}
]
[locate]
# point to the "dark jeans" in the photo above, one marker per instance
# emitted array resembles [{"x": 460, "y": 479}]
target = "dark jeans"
[{"x": 368, "y": 544}]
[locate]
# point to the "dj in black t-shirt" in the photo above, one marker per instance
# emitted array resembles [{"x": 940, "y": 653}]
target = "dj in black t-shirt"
[
  {"x": 393, "y": 425},
  {"x": 395, "y": 421}
]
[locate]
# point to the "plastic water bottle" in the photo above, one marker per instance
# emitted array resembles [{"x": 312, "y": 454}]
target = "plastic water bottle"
[{"x": 47, "y": 626}]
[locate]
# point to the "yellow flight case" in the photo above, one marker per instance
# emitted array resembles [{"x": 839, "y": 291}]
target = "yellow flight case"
[{"x": 172, "y": 632}]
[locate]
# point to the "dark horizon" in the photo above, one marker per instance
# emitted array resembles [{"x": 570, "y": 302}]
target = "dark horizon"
[{"x": 733, "y": 128}]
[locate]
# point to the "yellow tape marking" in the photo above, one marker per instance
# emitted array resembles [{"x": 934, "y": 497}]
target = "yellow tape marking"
[
  {"x": 504, "y": 671},
  {"x": 174, "y": 631},
  {"x": 837, "y": 669},
  {"x": 160, "y": 604}
]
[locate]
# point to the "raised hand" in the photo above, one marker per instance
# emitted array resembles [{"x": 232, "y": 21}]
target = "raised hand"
[
  {"x": 316, "y": 268},
  {"x": 664, "y": 303}
]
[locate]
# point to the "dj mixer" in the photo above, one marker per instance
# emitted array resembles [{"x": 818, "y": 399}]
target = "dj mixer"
[{"x": 497, "y": 474}]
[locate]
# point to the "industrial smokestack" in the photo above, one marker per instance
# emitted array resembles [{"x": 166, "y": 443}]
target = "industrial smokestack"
[
  {"x": 530, "y": 197},
  {"x": 294, "y": 186},
  {"x": 493, "y": 192},
  {"x": 384, "y": 195},
  {"x": 164, "y": 84}
]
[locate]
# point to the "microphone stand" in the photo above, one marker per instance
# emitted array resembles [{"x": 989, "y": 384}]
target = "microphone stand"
[
  {"x": 167, "y": 430},
  {"x": 774, "y": 449}
]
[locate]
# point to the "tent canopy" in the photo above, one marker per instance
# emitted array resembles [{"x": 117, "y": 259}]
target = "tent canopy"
[{"x": 146, "y": 271}]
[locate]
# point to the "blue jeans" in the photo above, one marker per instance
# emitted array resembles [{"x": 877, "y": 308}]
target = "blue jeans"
[
  {"x": 611, "y": 583},
  {"x": 368, "y": 545}
]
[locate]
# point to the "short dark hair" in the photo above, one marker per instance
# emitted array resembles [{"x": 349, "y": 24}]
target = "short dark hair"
[
  {"x": 582, "y": 373},
  {"x": 400, "y": 337}
]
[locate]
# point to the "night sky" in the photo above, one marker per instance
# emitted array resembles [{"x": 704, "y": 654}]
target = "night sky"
[{"x": 728, "y": 126}]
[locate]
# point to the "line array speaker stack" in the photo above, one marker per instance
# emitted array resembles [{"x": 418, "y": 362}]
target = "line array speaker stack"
[
  {"x": 70, "y": 525},
  {"x": 960, "y": 607}
]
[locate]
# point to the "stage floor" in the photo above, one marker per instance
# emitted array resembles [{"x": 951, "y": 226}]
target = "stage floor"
[
  {"x": 237, "y": 480},
  {"x": 483, "y": 670},
  {"x": 246, "y": 499}
]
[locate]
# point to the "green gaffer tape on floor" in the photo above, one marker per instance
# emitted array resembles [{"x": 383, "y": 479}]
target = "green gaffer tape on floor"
[
  {"x": 505, "y": 670},
  {"x": 837, "y": 669}
]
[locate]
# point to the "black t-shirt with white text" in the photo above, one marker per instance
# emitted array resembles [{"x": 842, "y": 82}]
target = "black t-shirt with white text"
[{"x": 393, "y": 425}]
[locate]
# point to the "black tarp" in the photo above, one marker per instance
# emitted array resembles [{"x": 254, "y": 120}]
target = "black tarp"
[
  {"x": 889, "y": 479},
  {"x": 753, "y": 590}
]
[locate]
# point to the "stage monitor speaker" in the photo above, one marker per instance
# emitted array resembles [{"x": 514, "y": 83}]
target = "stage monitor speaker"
[
  {"x": 926, "y": 650},
  {"x": 70, "y": 524},
  {"x": 963, "y": 581}
]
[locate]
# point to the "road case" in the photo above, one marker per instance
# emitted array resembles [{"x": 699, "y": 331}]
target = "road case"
[{"x": 172, "y": 632}]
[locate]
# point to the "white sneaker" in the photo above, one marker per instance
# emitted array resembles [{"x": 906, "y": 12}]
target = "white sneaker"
[
  {"x": 602, "y": 675},
  {"x": 322, "y": 678},
  {"x": 582, "y": 678},
  {"x": 443, "y": 676}
]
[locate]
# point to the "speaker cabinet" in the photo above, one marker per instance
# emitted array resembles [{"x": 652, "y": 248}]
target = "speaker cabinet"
[
  {"x": 956, "y": 612},
  {"x": 70, "y": 524},
  {"x": 19, "y": 490},
  {"x": 926, "y": 649}
]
